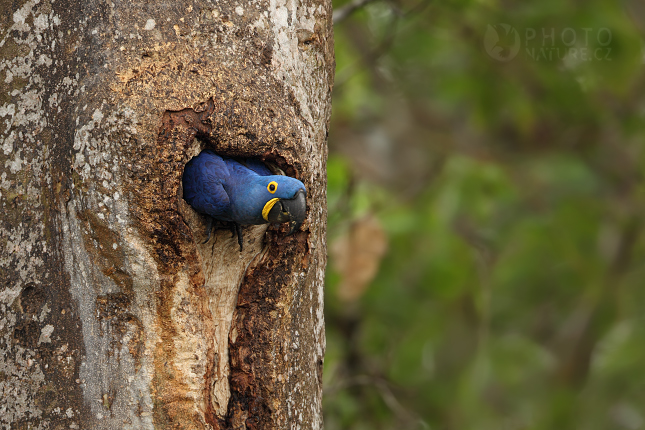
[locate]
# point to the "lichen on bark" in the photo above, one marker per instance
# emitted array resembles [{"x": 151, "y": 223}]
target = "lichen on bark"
[{"x": 113, "y": 314}]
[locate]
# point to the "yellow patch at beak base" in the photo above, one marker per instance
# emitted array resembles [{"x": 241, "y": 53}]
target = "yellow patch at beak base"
[{"x": 267, "y": 208}]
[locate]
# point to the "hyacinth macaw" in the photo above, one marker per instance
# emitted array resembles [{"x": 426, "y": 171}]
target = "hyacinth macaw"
[{"x": 242, "y": 192}]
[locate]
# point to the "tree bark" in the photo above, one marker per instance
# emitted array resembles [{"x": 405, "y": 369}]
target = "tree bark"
[{"x": 113, "y": 313}]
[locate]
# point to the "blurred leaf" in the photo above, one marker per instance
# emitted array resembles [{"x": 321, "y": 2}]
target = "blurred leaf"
[
  {"x": 512, "y": 197},
  {"x": 357, "y": 256}
]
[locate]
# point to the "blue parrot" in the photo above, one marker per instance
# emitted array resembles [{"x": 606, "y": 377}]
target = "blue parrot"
[{"x": 242, "y": 192}]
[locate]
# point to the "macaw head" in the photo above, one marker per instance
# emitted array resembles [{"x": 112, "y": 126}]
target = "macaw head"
[{"x": 284, "y": 199}]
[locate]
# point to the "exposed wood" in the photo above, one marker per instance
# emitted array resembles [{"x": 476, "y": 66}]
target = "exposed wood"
[{"x": 113, "y": 313}]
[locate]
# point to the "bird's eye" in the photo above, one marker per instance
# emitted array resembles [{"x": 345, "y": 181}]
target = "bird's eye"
[{"x": 273, "y": 185}]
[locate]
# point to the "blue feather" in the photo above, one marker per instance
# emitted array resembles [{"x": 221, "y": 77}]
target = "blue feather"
[
  {"x": 234, "y": 192},
  {"x": 257, "y": 166}
]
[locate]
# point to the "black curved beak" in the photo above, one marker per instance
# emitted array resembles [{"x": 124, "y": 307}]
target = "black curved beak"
[{"x": 293, "y": 211}]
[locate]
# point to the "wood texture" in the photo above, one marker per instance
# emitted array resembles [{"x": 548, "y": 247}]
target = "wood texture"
[{"x": 113, "y": 314}]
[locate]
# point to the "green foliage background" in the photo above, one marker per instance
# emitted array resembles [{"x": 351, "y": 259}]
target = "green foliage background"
[{"x": 512, "y": 292}]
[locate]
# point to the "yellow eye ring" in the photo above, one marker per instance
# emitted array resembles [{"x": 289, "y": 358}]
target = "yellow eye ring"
[{"x": 272, "y": 187}]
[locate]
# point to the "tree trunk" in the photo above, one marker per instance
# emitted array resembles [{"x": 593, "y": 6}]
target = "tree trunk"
[{"x": 113, "y": 313}]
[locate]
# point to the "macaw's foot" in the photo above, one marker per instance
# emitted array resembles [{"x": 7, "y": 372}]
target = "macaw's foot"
[
  {"x": 238, "y": 230},
  {"x": 235, "y": 229},
  {"x": 209, "y": 229}
]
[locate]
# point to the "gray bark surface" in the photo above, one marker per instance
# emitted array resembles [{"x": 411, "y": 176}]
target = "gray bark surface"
[{"x": 113, "y": 313}]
